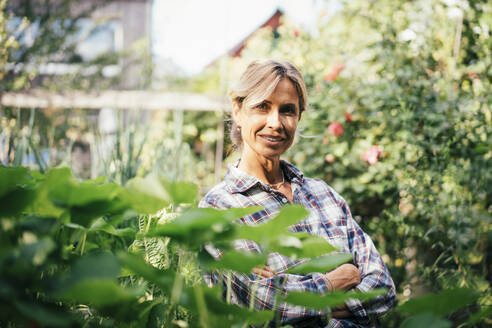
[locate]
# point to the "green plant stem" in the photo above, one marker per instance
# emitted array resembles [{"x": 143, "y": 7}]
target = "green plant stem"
[
  {"x": 202, "y": 307},
  {"x": 82, "y": 246},
  {"x": 229, "y": 288}
]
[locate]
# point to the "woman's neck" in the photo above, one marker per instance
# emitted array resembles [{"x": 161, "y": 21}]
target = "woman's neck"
[{"x": 265, "y": 169}]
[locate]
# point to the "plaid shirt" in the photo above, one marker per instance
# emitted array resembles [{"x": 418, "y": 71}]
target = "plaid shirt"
[{"x": 329, "y": 218}]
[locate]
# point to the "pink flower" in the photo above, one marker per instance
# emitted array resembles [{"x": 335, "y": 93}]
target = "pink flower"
[
  {"x": 335, "y": 129},
  {"x": 371, "y": 155},
  {"x": 335, "y": 70},
  {"x": 329, "y": 158},
  {"x": 348, "y": 117},
  {"x": 296, "y": 33}
]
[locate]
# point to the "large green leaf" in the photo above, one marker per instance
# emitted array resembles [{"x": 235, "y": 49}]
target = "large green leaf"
[
  {"x": 300, "y": 245},
  {"x": 66, "y": 192},
  {"x": 44, "y": 314},
  {"x": 98, "y": 292},
  {"x": 198, "y": 226},
  {"x": 231, "y": 313},
  {"x": 239, "y": 261},
  {"x": 11, "y": 178},
  {"x": 181, "y": 192},
  {"x": 425, "y": 320},
  {"x": 441, "y": 304},
  {"x": 319, "y": 302},
  {"x": 321, "y": 264},
  {"x": 261, "y": 233},
  {"x": 146, "y": 195},
  {"x": 136, "y": 265},
  {"x": 16, "y": 190}
]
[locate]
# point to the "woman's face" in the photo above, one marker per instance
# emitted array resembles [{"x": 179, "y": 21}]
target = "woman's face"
[{"x": 268, "y": 129}]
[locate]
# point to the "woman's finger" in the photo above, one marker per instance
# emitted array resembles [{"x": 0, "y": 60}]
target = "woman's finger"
[{"x": 264, "y": 272}]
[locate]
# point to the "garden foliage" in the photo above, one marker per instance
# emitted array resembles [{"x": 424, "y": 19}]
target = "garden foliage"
[
  {"x": 84, "y": 254},
  {"x": 400, "y": 124}
]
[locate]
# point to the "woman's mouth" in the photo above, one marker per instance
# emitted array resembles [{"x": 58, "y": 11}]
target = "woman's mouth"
[{"x": 270, "y": 139}]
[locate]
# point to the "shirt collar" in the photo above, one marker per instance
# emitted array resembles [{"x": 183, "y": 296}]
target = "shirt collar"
[{"x": 239, "y": 181}]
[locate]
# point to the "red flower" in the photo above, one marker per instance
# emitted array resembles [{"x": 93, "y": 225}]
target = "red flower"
[
  {"x": 371, "y": 155},
  {"x": 335, "y": 129},
  {"x": 348, "y": 117},
  {"x": 335, "y": 70},
  {"x": 296, "y": 33}
]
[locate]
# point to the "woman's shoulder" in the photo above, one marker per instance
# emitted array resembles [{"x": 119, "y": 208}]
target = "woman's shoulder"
[
  {"x": 319, "y": 187},
  {"x": 219, "y": 196}
]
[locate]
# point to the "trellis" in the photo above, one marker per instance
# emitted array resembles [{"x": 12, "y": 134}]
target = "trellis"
[{"x": 121, "y": 100}]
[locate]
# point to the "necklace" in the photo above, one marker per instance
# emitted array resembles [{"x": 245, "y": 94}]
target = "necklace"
[{"x": 277, "y": 185}]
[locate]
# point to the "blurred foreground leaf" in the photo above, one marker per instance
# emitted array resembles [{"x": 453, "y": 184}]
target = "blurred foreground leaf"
[
  {"x": 441, "y": 304},
  {"x": 321, "y": 264},
  {"x": 316, "y": 301},
  {"x": 425, "y": 320}
]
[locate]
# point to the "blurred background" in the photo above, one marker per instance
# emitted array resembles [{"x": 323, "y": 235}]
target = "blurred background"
[{"x": 399, "y": 120}]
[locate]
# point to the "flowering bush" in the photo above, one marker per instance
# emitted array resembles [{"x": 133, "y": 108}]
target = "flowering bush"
[{"x": 411, "y": 83}]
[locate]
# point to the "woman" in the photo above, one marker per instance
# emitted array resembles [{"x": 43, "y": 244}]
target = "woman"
[{"x": 268, "y": 103}]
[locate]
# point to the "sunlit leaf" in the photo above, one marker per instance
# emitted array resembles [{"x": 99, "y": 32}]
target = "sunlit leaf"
[
  {"x": 287, "y": 216},
  {"x": 239, "y": 261},
  {"x": 321, "y": 264},
  {"x": 146, "y": 195},
  {"x": 181, "y": 192}
]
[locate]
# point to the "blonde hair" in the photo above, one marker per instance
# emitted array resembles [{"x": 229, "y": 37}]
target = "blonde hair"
[{"x": 258, "y": 82}]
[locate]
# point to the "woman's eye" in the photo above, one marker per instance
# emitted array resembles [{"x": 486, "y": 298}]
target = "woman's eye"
[{"x": 261, "y": 106}]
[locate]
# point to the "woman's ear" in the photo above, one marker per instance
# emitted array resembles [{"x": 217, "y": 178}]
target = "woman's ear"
[{"x": 236, "y": 110}]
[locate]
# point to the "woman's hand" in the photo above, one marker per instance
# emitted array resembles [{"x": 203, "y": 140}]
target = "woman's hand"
[
  {"x": 263, "y": 271},
  {"x": 344, "y": 277}
]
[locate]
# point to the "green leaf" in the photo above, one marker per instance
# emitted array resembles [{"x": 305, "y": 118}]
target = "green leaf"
[
  {"x": 98, "y": 292},
  {"x": 287, "y": 216},
  {"x": 16, "y": 190},
  {"x": 44, "y": 314},
  {"x": 181, "y": 192},
  {"x": 198, "y": 226},
  {"x": 11, "y": 178},
  {"x": 67, "y": 192},
  {"x": 425, "y": 320},
  {"x": 232, "y": 313},
  {"x": 441, "y": 304},
  {"x": 300, "y": 244},
  {"x": 103, "y": 266},
  {"x": 239, "y": 261},
  {"x": 146, "y": 195},
  {"x": 319, "y": 302},
  {"x": 321, "y": 264},
  {"x": 136, "y": 265}
]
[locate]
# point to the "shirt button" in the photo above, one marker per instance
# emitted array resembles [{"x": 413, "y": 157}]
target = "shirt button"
[{"x": 284, "y": 200}]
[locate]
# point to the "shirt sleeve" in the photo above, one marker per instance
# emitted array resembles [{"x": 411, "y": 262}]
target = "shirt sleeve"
[{"x": 373, "y": 271}]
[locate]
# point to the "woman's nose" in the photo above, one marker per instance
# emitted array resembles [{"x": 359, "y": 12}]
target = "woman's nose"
[{"x": 273, "y": 119}]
